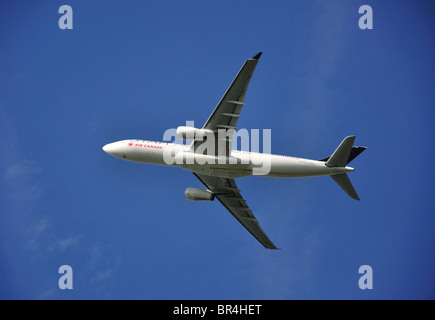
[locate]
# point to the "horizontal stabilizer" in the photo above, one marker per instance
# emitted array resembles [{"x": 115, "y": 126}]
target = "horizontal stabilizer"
[
  {"x": 355, "y": 152},
  {"x": 343, "y": 181}
]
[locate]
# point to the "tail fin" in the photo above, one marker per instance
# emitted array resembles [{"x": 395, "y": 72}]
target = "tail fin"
[
  {"x": 341, "y": 154},
  {"x": 344, "y": 154}
]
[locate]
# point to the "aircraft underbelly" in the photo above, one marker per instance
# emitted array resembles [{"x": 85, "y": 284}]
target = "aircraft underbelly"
[
  {"x": 222, "y": 171},
  {"x": 151, "y": 156},
  {"x": 289, "y": 167}
]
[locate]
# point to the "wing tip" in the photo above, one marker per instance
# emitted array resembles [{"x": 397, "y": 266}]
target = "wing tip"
[
  {"x": 257, "y": 56},
  {"x": 272, "y": 248},
  {"x": 270, "y": 245}
]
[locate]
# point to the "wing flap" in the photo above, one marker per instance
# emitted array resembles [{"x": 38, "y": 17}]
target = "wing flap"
[{"x": 227, "y": 192}]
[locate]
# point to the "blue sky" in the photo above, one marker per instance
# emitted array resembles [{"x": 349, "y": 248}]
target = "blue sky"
[{"x": 134, "y": 69}]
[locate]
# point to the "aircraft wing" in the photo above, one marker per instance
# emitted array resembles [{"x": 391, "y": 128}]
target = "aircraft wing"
[
  {"x": 227, "y": 192},
  {"x": 227, "y": 112}
]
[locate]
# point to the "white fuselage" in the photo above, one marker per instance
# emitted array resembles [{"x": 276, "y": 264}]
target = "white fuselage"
[{"x": 238, "y": 164}]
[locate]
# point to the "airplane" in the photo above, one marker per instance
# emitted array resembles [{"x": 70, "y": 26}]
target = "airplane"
[{"x": 211, "y": 159}]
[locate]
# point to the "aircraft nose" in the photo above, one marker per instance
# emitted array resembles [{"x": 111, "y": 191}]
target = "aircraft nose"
[
  {"x": 110, "y": 148},
  {"x": 106, "y": 148}
]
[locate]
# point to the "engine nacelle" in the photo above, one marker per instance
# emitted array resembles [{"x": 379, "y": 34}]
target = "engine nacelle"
[
  {"x": 195, "y": 194},
  {"x": 191, "y": 133}
]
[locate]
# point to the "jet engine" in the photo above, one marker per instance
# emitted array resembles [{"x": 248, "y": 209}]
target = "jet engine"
[
  {"x": 195, "y": 194},
  {"x": 191, "y": 133}
]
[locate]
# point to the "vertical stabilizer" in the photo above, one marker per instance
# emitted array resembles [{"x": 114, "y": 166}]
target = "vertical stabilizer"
[{"x": 341, "y": 155}]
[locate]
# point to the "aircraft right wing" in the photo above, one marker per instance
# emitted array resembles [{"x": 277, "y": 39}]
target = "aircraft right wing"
[{"x": 227, "y": 192}]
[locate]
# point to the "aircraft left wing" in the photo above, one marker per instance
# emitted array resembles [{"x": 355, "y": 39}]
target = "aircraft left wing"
[
  {"x": 227, "y": 192},
  {"x": 227, "y": 112}
]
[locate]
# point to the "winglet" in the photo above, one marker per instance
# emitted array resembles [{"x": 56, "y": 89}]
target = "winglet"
[{"x": 257, "y": 56}]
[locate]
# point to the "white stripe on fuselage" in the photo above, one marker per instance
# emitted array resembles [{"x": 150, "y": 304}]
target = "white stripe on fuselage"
[{"x": 239, "y": 164}]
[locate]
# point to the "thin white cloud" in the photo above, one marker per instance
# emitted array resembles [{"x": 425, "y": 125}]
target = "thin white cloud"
[
  {"x": 21, "y": 171},
  {"x": 21, "y": 188},
  {"x": 325, "y": 46},
  {"x": 95, "y": 253},
  {"x": 102, "y": 275},
  {"x": 35, "y": 230},
  {"x": 64, "y": 244}
]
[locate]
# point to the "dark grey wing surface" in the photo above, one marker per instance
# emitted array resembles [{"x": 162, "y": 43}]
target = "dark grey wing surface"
[
  {"x": 227, "y": 112},
  {"x": 227, "y": 192}
]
